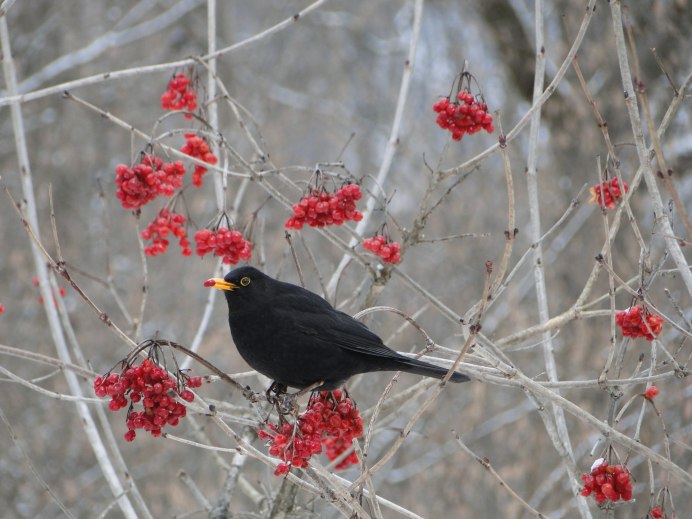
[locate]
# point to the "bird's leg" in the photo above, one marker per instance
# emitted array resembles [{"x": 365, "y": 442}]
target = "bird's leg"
[
  {"x": 275, "y": 391},
  {"x": 308, "y": 389},
  {"x": 287, "y": 403},
  {"x": 290, "y": 400},
  {"x": 277, "y": 396}
]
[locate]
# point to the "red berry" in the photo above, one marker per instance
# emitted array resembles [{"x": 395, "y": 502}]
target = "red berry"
[
  {"x": 198, "y": 148},
  {"x": 178, "y": 96},
  {"x": 385, "y": 249},
  {"x": 463, "y": 116},
  {"x": 230, "y": 245},
  {"x": 148, "y": 384},
  {"x": 164, "y": 224},
  {"x": 321, "y": 208},
  {"x": 633, "y": 325},
  {"x": 608, "y": 193},
  {"x": 321, "y": 425},
  {"x": 607, "y": 483},
  {"x": 187, "y": 395},
  {"x": 651, "y": 392},
  {"x": 147, "y": 180}
]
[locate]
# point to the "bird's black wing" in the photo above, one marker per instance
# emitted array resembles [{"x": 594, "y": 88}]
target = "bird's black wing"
[{"x": 311, "y": 315}]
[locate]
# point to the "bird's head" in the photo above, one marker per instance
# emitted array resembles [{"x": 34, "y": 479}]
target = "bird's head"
[{"x": 242, "y": 280}]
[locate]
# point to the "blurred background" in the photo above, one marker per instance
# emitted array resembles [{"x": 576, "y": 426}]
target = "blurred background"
[{"x": 325, "y": 89}]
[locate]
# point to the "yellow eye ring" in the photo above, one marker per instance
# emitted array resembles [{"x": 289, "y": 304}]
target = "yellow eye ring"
[{"x": 245, "y": 281}]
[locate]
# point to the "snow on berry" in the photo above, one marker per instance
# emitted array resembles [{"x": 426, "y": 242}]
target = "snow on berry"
[
  {"x": 597, "y": 463},
  {"x": 152, "y": 386},
  {"x": 463, "y": 116},
  {"x": 179, "y": 95},
  {"x": 651, "y": 392},
  {"x": 166, "y": 223},
  {"x": 383, "y": 247},
  {"x": 607, "y": 482},
  {"x": 637, "y": 322},
  {"x": 145, "y": 181},
  {"x": 608, "y": 193},
  {"x": 330, "y": 421},
  {"x": 198, "y": 148},
  {"x": 226, "y": 243},
  {"x": 321, "y": 208}
]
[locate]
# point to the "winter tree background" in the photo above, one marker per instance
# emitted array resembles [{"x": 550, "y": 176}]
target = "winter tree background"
[{"x": 505, "y": 267}]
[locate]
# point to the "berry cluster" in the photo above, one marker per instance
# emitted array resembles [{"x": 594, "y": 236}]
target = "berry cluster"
[
  {"x": 321, "y": 208},
  {"x": 148, "y": 179},
  {"x": 224, "y": 242},
  {"x": 293, "y": 450},
  {"x": 465, "y": 115},
  {"x": 651, "y": 393},
  {"x": 608, "y": 192},
  {"x": 331, "y": 420},
  {"x": 657, "y": 513},
  {"x": 154, "y": 388},
  {"x": 198, "y": 148},
  {"x": 634, "y": 324},
  {"x": 607, "y": 482},
  {"x": 2, "y": 308},
  {"x": 340, "y": 421},
  {"x": 179, "y": 95},
  {"x": 381, "y": 246},
  {"x": 165, "y": 223}
]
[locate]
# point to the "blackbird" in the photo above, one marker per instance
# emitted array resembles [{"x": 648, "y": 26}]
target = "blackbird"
[{"x": 296, "y": 338}]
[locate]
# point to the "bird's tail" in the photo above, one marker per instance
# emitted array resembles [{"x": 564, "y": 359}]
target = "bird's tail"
[{"x": 418, "y": 367}]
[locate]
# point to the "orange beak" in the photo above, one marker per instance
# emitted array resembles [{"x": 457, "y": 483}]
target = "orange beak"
[{"x": 219, "y": 284}]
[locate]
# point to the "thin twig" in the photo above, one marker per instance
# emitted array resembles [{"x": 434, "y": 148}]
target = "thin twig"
[
  {"x": 392, "y": 142},
  {"x": 485, "y": 463}
]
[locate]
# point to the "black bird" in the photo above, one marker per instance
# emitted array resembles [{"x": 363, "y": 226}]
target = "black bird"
[{"x": 296, "y": 338}]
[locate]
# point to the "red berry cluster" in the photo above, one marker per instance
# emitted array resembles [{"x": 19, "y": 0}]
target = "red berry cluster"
[
  {"x": 607, "y": 482},
  {"x": 165, "y": 223},
  {"x": 293, "y": 450},
  {"x": 224, "y": 242},
  {"x": 651, "y": 393},
  {"x": 321, "y": 208},
  {"x": 608, "y": 192},
  {"x": 2, "y": 308},
  {"x": 148, "y": 179},
  {"x": 198, "y": 148},
  {"x": 657, "y": 513},
  {"x": 179, "y": 95},
  {"x": 331, "y": 419},
  {"x": 634, "y": 324},
  {"x": 152, "y": 386},
  {"x": 340, "y": 421},
  {"x": 61, "y": 291},
  {"x": 381, "y": 246},
  {"x": 465, "y": 115}
]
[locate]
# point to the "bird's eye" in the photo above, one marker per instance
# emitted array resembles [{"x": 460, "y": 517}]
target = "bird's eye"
[{"x": 245, "y": 281}]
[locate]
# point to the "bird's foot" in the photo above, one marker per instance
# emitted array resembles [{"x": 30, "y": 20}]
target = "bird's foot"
[
  {"x": 287, "y": 403},
  {"x": 281, "y": 400},
  {"x": 275, "y": 391}
]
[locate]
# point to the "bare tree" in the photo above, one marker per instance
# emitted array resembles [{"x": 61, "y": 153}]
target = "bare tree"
[{"x": 506, "y": 273}]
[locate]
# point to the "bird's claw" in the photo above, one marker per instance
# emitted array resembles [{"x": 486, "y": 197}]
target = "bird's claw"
[{"x": 284, "y": 402}]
